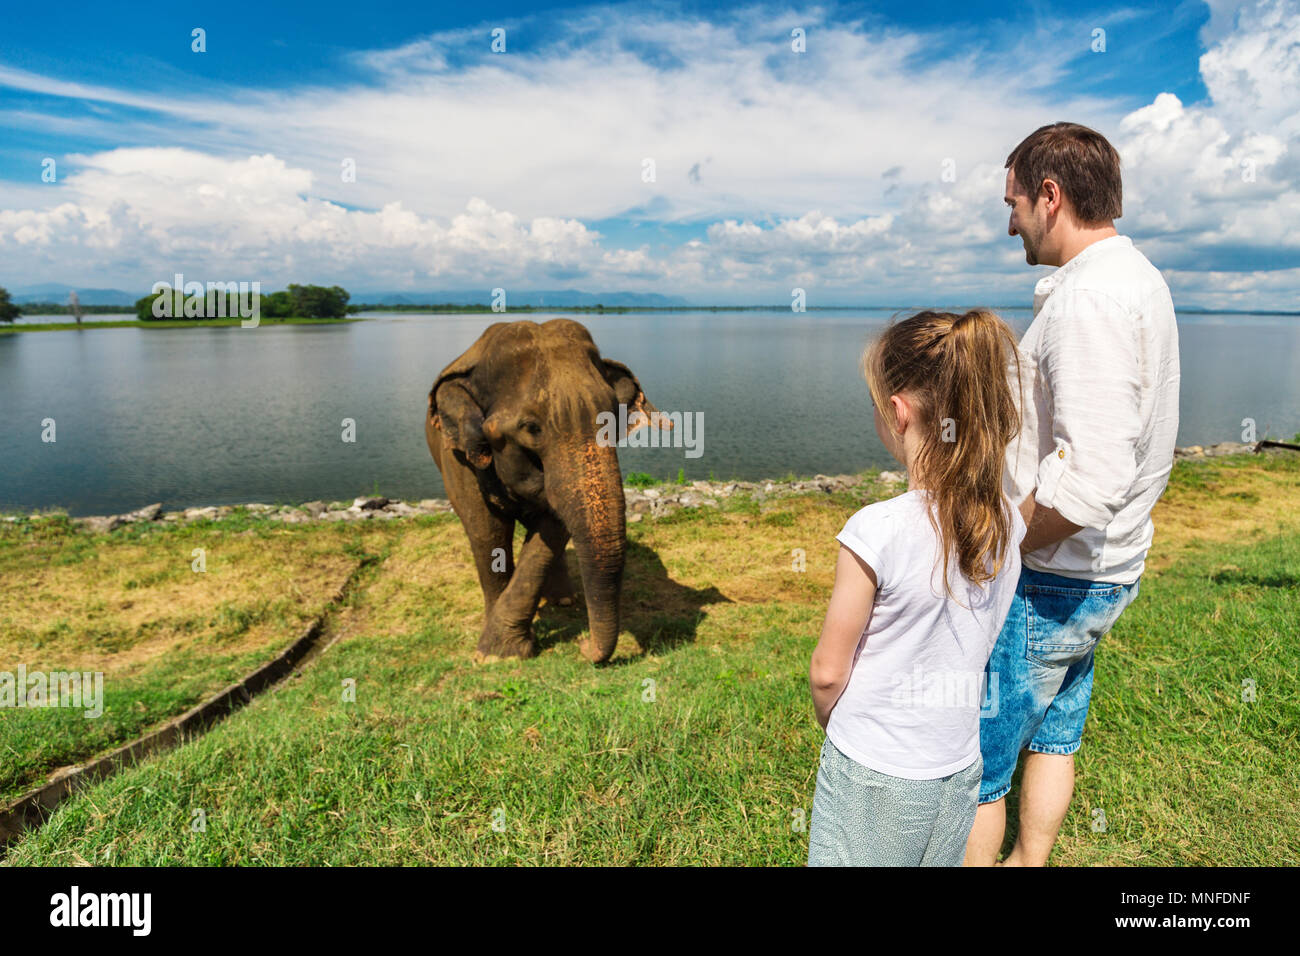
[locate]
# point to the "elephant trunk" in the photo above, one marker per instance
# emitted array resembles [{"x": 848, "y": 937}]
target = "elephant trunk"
[{"x": 585, "y": 488}]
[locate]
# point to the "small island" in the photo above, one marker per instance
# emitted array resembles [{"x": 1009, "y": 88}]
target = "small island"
[{"x": 193, "y": 305}]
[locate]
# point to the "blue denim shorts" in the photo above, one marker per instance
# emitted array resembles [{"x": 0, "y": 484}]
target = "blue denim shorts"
[{"x": 1039, "y": 677}]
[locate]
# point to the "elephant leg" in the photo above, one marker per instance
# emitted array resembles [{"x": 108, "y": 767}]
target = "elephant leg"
[
  {"x": 491, "y": 532},
  {"x": 493, "y": 546},
  {"x": 558, "y": 588},
  {"x": 508, "y": 632}
]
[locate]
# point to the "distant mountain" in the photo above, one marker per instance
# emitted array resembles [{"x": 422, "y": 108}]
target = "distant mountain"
[
  {"x": 58, "y": 294},
  {"x": 537, "y": 298}
]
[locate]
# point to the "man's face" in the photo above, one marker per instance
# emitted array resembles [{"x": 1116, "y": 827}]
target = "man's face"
[{"x": 1027, "y": 219}]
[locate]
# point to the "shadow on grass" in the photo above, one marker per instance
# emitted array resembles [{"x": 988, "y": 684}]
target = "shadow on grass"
[{"x": 660, "y": 613}]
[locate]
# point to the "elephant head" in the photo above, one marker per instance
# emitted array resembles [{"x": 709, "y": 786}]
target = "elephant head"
[{"x": 521, "y": 407}]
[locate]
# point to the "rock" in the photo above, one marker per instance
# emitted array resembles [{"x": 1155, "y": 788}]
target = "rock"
[
  {"x": 1229, "y": 448},
  {"x": 193, "y": 514},
  {"x": 335, "y": 516},
  {"x": 434, "y": 505},
  {"x": 370, "y": 504},
  {"x": 893, "y": 477},
  {"x": 640, "y": 506},
  {"x": 293, "y": 517},
  {"x": 147, "y": 513},
  {"x": 259, "y": 508},
  {"x": 709, "y": 503},
  {"x": 314, "y": 508},
  {"x": 633, "y": 519},
  {"x": 651, "y": 492},
  {"x": 102, "y": 524},
  {"x": 401, "y": 508}
]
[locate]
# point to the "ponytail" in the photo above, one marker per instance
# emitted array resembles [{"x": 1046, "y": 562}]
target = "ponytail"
[{"x": 955, "y": 371}]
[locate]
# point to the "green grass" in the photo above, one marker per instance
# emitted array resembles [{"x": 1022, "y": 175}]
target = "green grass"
[
  {"x": 1186, "y": 771},
  {"x": 164, "y": 324},
  {"x": 553, "y": 761},
  {"x": 129, "y": 606}
]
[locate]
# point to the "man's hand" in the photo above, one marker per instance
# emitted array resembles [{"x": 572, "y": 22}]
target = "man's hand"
[{"x": 1045, "y": 525}]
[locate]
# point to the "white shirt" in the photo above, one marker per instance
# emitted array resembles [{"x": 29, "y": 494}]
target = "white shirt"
[
  {"x": 911, "y": 707},
  {"x": 1099, "y": 401}
]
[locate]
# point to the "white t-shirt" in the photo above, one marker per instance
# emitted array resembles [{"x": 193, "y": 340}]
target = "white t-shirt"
[{"x": 912, "y": 705}]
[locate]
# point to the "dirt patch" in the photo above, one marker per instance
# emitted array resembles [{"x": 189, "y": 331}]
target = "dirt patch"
[
  {"x": 132, "y": 602},
  {"x": 1233, "y": 506}
]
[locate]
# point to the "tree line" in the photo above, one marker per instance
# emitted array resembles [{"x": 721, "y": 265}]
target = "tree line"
[{"x": 298, "y": 301}]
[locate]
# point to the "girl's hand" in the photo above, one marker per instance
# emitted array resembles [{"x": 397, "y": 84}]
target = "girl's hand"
[{"x": 847, "y": 618}]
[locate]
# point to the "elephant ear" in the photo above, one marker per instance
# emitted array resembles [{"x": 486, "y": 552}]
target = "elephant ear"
[
  {"x": 452, "y": 407},
  {"x": 629, "y": 393}
]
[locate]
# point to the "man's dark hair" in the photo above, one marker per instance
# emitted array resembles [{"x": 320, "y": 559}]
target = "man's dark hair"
[{"x": 1079, "y": 160}]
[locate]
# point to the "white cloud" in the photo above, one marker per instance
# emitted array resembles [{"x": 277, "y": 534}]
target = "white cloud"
[{"x": 822, "y": 169}]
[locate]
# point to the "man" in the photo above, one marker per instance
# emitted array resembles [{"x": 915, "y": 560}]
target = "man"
[{"x": 1099, "y": 400}]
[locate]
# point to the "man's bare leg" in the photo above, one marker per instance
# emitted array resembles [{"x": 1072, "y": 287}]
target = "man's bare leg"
[
  {"x": 986, "y": 835},
  {"x": 1045, "y": 791}
]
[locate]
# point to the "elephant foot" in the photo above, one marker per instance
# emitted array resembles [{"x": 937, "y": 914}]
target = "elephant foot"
[
  {"x": 592, "y": 652},
  {"x": 496, "y": 642}
]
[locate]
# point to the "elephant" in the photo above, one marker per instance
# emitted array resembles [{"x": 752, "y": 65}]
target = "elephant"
[{"x": 512, "y": 425}]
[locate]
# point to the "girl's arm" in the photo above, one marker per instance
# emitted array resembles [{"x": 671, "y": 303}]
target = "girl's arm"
[{"x": 850, "y": 611}]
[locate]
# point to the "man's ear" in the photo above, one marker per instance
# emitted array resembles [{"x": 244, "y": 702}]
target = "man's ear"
[
  {"x": 1051, "y": 191},
  {"x": 453, "y": 409}
]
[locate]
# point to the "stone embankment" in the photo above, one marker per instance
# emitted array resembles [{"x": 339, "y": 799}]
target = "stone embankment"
[{"x": 654, "y": 501}]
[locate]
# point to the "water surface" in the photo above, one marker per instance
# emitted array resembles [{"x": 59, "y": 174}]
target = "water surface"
[{"x": 226, "y": 415}]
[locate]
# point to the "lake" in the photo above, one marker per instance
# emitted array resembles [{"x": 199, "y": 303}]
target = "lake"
[{"x": 194, "y": 417}]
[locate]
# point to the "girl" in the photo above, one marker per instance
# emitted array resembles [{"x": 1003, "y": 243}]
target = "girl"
[{"x": 923, "y": 583}]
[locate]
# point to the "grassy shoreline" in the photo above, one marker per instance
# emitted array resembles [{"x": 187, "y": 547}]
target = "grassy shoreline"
[{"x": 713, "y": 764}]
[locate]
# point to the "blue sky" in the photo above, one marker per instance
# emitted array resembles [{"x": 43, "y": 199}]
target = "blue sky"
[{"x": 773, "y": 168}]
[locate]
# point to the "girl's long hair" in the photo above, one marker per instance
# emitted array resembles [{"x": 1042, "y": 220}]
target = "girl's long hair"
[{"x": 954, "y": 370}]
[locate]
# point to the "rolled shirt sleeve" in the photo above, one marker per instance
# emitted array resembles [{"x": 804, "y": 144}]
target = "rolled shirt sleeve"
[{"x": 1091, "y": 370}]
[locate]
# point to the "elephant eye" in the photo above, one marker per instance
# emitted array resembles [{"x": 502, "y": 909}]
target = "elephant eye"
[{"x": 532, "y": 428}]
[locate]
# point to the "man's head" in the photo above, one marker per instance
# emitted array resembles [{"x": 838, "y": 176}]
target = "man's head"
[{"x": 1063, "y": 186}]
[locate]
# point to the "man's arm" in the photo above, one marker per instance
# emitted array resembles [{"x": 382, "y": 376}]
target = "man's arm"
[
  {"x": 852, "y": 598},
  {"x": 1089, "y": 364},
  {"x": 1044, "y": 526}
]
